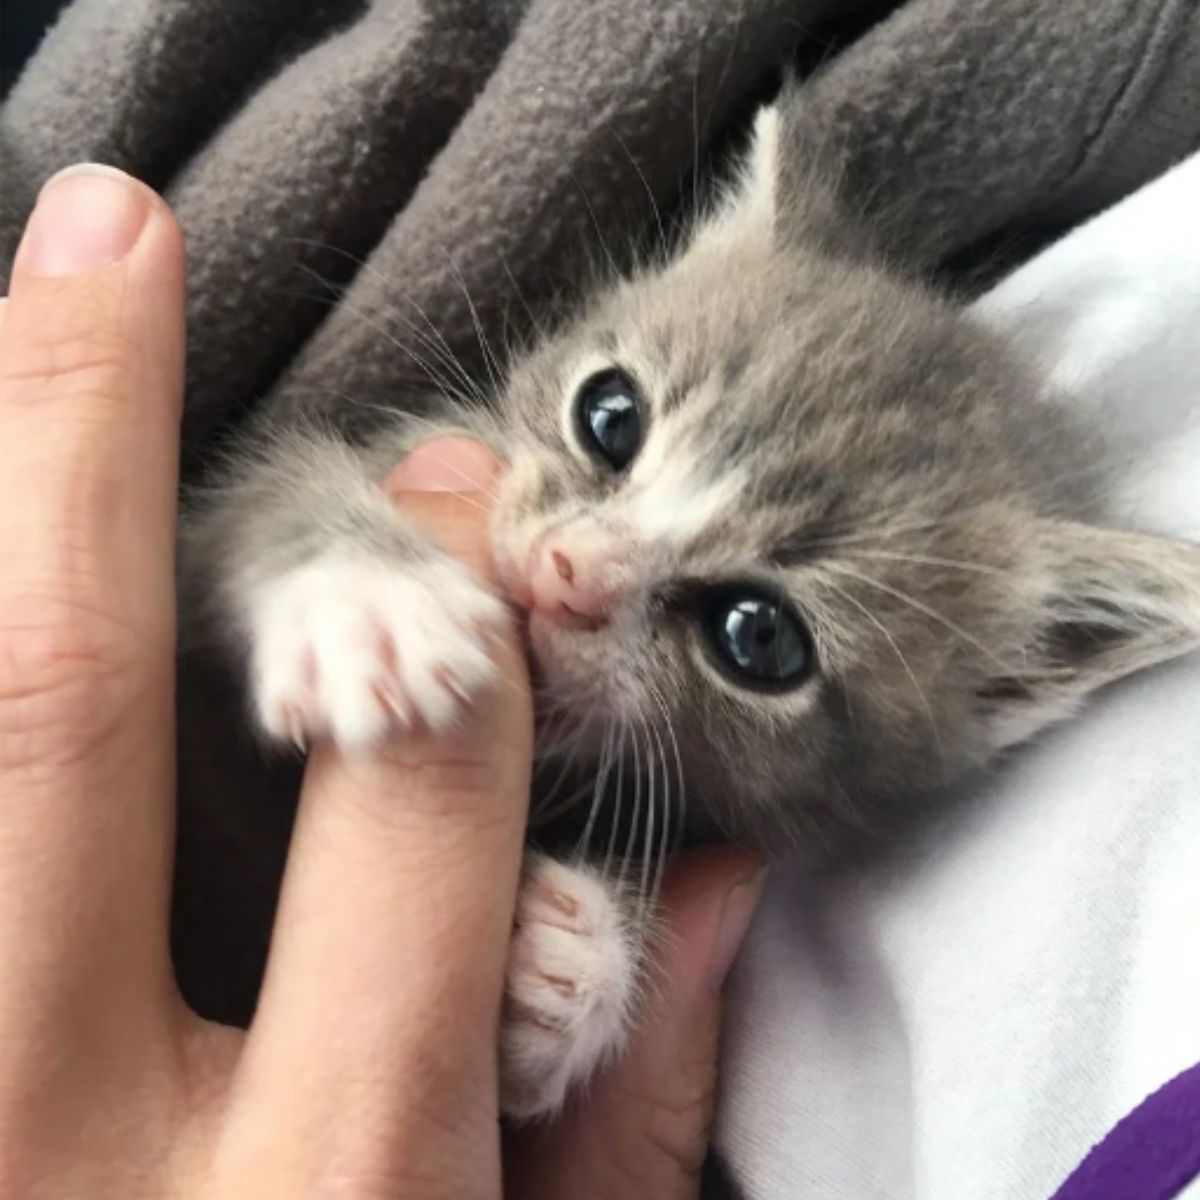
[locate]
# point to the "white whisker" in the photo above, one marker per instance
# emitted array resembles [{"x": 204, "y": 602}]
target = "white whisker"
[
  {"x": 638, "y": 773},
  {"x": 681, "y": 782},
  {"x": 870, "y": 616},
  {"x": 932, "y": 613},
  {"x": 491, "y": 363},
  {"x": 447, "y": 388},
  {"x": 648, "y": 840},
  {"x": 927, "y": 560},
  {"x": 602, "y": 773},
  {"x": 620, "y": 797},
  {"x": 659, "y": 854},
  {"x": 445, "y": 354},
  {"x": 663, "y": 245}
]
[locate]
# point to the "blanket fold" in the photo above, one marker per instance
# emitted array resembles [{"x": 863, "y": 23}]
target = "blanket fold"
[{"x": 355, "y": 173}]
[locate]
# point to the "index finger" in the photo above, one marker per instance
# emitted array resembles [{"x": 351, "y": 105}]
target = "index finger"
[
  {"x": 91, "y": 354},
  {"x": 397, "y": 908}
]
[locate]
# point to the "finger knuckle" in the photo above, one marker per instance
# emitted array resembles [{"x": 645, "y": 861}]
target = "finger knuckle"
[
  {"x": 64, "y": 685},
  {"x": 86, "y": 365},
  {"x": 387, "y": 795},
  {"x": 459, "y": 782},
  {"x": 670, "y": 1142},
  {"x": 447, "y": 784}
]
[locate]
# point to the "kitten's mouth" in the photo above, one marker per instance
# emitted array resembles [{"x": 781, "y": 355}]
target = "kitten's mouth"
[
  {"x": 547, "y": 584},
  {"x": 566, "y": 617},
  {"x": 564, "y": 658},
  {"x": 551, "y": 639}
]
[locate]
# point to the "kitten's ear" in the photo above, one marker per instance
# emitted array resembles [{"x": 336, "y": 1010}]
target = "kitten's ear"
[
  {"x": 784, "y": 192},
  {"x": 788, "y": 189},
  {"x": 746, "y": 212},
  {"x": 1106, "y": 604},
  {"x": 757, "y": 193}
]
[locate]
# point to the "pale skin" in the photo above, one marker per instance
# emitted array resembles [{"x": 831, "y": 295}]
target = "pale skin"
[{"x": 370, "y": 1068}]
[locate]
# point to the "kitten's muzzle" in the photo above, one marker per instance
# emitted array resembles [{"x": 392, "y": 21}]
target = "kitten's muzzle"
[{"x": 571, "y": 578}]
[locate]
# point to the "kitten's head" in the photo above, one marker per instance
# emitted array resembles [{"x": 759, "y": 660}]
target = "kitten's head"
[{"x": 808, "y": 522}]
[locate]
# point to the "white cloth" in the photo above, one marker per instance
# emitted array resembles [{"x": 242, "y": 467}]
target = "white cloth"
[{"x": 964, "y": 1022}]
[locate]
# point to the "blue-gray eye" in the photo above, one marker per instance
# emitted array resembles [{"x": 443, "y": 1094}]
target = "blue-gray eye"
[
  {"x": 756, "y": 639},
  {"x": 608, "y": 415}
]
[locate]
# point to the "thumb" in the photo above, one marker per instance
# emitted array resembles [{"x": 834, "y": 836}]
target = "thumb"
[
  {"x": 439, "y": 485},
  {"x": 642, "y": 1130}
]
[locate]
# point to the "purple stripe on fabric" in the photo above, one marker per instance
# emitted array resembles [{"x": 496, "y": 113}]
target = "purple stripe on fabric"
[{"x": 1151, "y": 1154}]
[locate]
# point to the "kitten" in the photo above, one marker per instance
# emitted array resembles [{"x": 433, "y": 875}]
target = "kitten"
[{"x": 783, "y": 523}]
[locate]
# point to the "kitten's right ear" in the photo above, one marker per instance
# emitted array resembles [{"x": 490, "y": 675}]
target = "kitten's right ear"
[
  {"x": 785, "y": 191},
  {"x": 757, "y": 194},
  {"x": 747, "y": 210},
  {"x": 792, "y": 182},
  {"x": 1103, "y": 604}
]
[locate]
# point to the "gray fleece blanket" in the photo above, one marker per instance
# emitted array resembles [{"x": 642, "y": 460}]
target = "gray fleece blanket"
[
  {"x": 350, "y": 171},
  {"x": 352, "y": 174}
]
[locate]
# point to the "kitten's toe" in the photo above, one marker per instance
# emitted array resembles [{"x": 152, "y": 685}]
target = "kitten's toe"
[
  {"x": 570, "y": 988},
  {"x": 359, "y": 650}
]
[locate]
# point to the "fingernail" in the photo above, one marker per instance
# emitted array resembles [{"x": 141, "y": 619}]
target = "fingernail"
[
  {"x": 455, "y": 463},
  {"x": 86, "y": 217},
  {"x": 738, "y": 911}
]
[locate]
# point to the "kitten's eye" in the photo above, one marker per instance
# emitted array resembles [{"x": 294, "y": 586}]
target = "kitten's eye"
[
  {"x": 758, "y": 641},
  {"x": 608, "y": 414}
]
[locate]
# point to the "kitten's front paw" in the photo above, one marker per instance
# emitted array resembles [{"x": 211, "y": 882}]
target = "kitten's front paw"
[
  {"x": 354, "y": 649},
  {"x": 570, "y": 988}
]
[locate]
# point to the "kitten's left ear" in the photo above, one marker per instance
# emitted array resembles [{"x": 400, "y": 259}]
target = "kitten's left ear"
[{"x": 1106, "y": 604}]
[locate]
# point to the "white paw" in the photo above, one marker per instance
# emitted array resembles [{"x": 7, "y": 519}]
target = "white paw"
[
  {"x": 355, "y": 650},
  {"x": 571, "y": 983}
]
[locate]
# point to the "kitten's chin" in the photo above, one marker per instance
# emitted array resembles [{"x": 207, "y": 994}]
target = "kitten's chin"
[
  {"x": 574, "y": 672},
  {"x": 560, "y": 658}
]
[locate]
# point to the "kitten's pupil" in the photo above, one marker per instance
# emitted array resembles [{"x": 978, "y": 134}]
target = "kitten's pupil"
[
  {"x": 609, "y": 415},
  {"x": 759, "y": 641}
]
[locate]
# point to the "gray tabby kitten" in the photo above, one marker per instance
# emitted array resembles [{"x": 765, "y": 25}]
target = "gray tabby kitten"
[{"x": 783, "y": 523}]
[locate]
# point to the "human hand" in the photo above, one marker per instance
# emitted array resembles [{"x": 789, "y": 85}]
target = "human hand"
[{"x": 370, "y": 1067}]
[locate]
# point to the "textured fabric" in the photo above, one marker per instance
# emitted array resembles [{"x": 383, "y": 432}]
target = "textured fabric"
[
  {"x": 969, "y": 1017},
  {"x": 470, "y": 148},
  {"x": 1151, "y": 1154},
  {"x": 1031, "y": 102},
  {"x": 475, "y": 152}
]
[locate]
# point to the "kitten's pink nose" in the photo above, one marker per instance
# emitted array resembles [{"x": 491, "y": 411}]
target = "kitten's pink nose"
[{"x": 567, "y": 584}]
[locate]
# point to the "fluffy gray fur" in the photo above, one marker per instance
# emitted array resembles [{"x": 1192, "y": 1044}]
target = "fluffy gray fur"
[{"x": 818, "y": 423}]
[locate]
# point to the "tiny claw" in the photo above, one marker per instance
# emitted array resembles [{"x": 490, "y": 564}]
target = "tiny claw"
[
  {"x": 530, "y": 1015},
  {"x": 387, "y": 654},
  {"x": 308, "y": 669},
  {"x": 393, "y": 705},
  {"x": 563, "y": 986},
  {"x": 559, "y": 901},
  {"x": 446, "y": 678},
  {"x": 293, "y": 722},
  {"x": 489, "y": 630}
]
